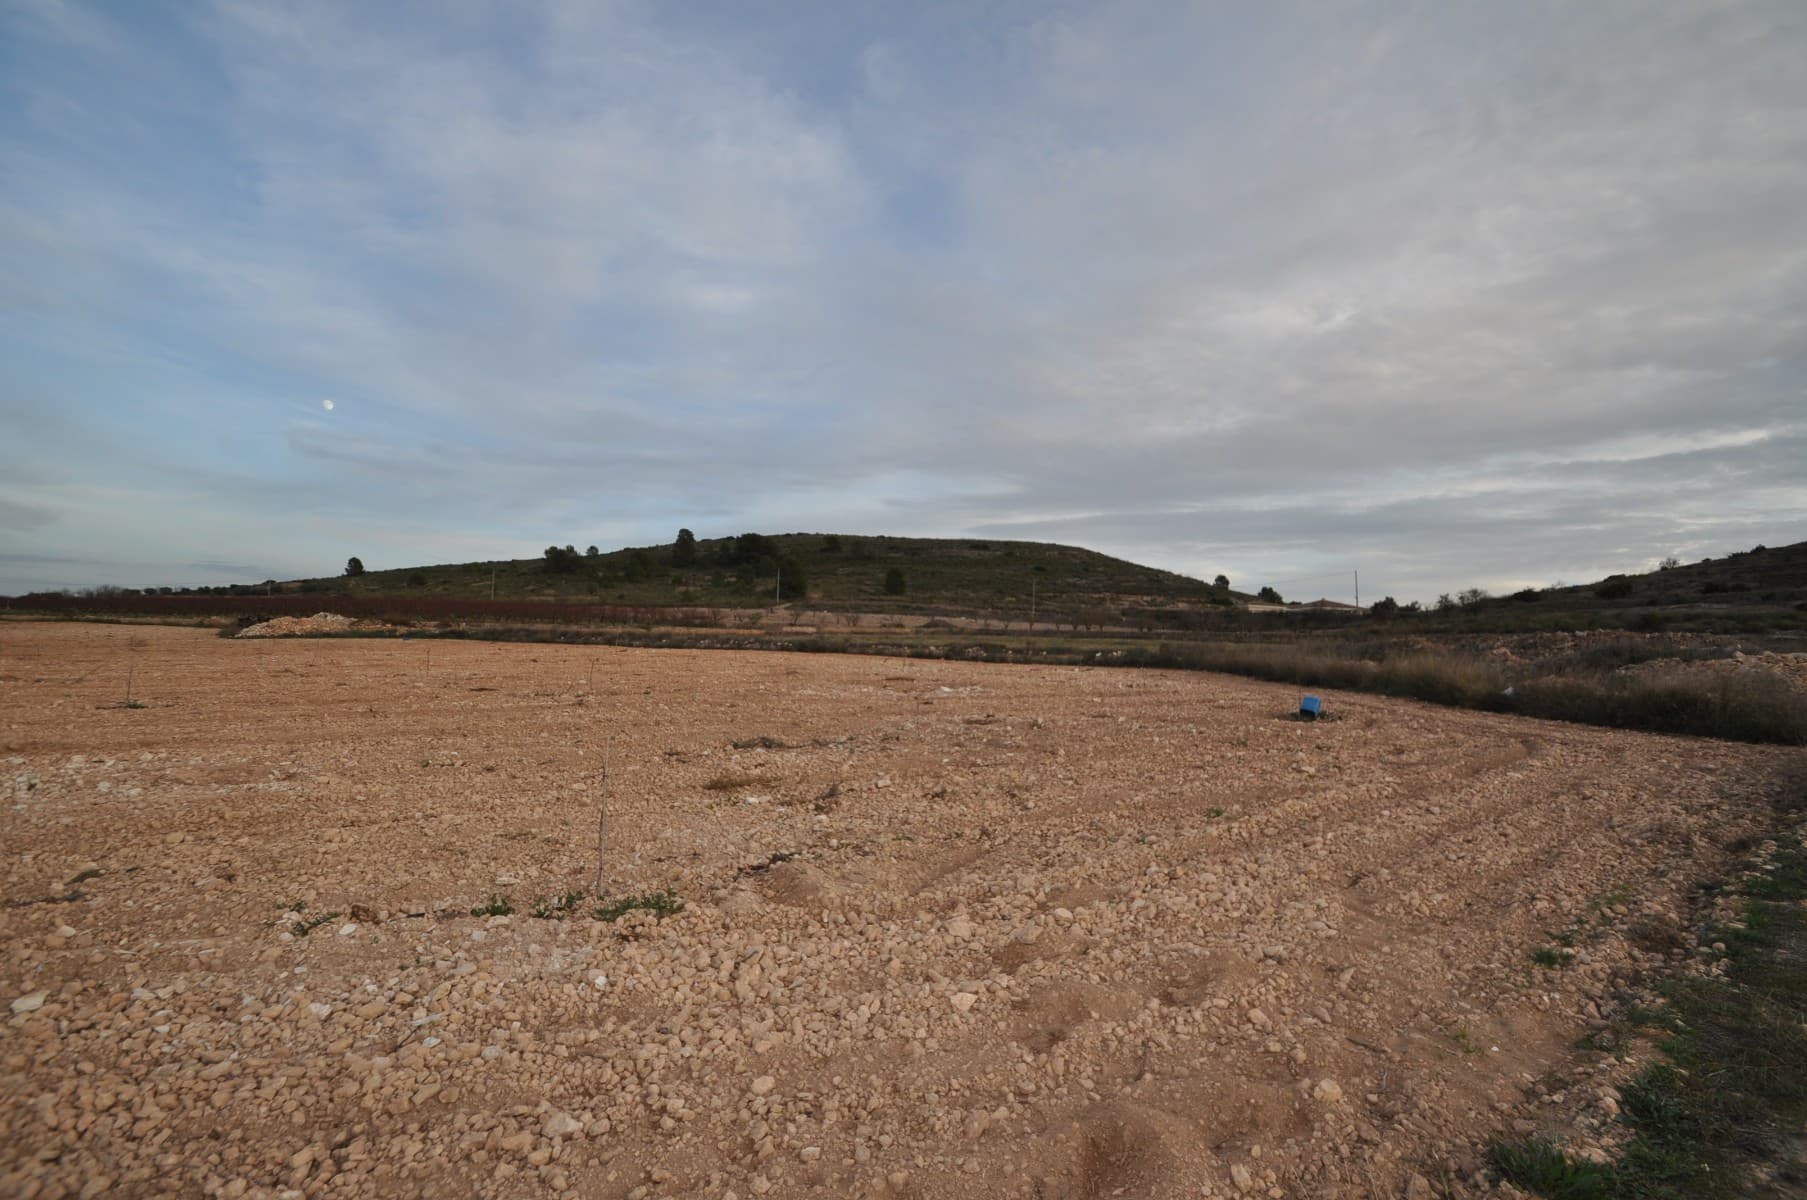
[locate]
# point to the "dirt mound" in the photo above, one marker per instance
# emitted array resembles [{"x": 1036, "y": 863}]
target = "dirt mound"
[{"x": 314, "y": 626}]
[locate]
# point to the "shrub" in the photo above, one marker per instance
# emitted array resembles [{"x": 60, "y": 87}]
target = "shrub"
[
  {"x": 354, "y": 566},
  {"x": 894, "y": 582},
  {"x": 793, "y": 581}
]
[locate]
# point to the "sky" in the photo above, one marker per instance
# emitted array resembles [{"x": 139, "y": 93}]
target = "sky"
[{"x": 1453, "y": 294}]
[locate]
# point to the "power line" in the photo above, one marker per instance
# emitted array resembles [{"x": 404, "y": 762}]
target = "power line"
[{"x": 1309, "y": 578}]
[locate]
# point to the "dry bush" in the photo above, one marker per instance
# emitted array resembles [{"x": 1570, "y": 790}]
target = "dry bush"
[{"x": 1753, "y": 706}]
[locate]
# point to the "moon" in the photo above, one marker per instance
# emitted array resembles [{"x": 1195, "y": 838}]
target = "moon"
[{"x": 327, "y": 405}]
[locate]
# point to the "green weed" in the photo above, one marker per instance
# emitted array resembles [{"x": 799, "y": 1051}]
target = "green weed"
[
  {"x": 496, "y": 906},
  {"x": 556, "y": 908},
  {"x": 307, "y": 925},
  {"x": 662, "y": 903}
]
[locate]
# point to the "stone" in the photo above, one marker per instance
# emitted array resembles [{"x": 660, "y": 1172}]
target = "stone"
[
  {"x": 560, "y": 1124},
  {"x": 30, "y": 1003},
  {"x": 963, "y": 1001},
  {"x": 1242, "y": 1177},
  {"x": 1328, "y": 1090},
  {"x": 764, "y": 1084}
]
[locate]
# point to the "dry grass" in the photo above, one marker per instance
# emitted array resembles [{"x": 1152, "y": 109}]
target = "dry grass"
[{"x": 1747, "y": 707}]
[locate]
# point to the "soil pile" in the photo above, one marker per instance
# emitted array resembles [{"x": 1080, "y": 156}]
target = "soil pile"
[{"x": 314, "y": 626}]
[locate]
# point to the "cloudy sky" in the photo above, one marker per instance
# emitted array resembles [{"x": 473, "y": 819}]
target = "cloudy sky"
[{"x": 1489, "y": 294}]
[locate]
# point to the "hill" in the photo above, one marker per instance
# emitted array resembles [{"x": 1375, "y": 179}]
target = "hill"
[
  {"x": 942, "y": 575},
  {"x": 1762, "y": 587}
]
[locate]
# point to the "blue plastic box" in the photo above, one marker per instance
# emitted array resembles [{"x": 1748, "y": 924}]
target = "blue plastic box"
[{"x": 1311, "y": 707}]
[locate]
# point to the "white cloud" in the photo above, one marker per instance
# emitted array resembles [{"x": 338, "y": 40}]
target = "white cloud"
[{"x": 1442, "y": 289}]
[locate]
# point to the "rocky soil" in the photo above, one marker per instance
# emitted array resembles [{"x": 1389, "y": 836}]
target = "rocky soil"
[{"x": 948, "y": 930}]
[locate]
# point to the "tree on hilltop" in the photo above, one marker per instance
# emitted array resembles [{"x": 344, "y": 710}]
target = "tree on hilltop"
[
  {"x": 561, "y": 560},
  {"x": 354, "y": 566}
]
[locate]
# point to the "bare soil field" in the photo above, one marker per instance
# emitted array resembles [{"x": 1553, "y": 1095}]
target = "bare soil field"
[{"x": 948, "y": 929}]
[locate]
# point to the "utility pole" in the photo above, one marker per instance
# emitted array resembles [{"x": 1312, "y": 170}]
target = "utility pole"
[
  {"x": 492, "y": 581},
  {"x": 1358, "y": 589},
  {"x": 777, "y": 585},
  {"x": 1032, "y": 606}
]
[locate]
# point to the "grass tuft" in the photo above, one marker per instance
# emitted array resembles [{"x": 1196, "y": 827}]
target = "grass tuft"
[
  {"x": 1733, "y": 1090},
  {"x": 307, "y": 925},
  {"x": 1540, "y": 1168},
  {"x": 496, "y": 906},
  {"x": 662, "y": 903},
  {"x": 556, "y": 908}
]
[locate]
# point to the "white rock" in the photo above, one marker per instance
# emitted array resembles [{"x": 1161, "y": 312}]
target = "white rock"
[
  {"x": 601, "y": 982},
  {"x": 1327, "y": 1090},
  {"x": 30, "y": 1003},
  {"x": 560, "y": 1124},
  {"x": 764, "y": 1084},
  {"x": 348, "y": 929},
  {"x": 962, "y": 1001}
]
